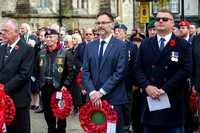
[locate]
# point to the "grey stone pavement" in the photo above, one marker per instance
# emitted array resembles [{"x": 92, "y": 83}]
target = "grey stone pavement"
[{"x": 38, "y": 124}]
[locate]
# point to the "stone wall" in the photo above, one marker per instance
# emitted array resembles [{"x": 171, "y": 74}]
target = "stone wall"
[{"x": 26, "y": 11}]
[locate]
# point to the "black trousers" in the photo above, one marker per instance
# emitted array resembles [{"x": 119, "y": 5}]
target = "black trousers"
[
  {"x": 21, "y": 122},
  {"x": 136, "y": 112},
  {"x": 127, "y": 110},
  {"x": 47, "y": 93}
]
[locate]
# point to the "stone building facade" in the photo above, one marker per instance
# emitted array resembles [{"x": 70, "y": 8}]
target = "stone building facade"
[{"x": 74, "y": 13}]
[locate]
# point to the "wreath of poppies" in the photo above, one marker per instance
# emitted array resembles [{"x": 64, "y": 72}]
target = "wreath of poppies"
[
  {"x": 62, "y": 107},
  {"x": 194, "y": 102},
  {"x": 7, "y": 109},
  {"x": 79, "y": 79},
  {"x": 2, "y": 110},
  {"x": 94, "y": 120}
]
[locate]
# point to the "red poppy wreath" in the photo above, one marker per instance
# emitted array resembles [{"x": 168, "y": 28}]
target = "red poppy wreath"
[
  {"x": 7, "y": 109},
  {"x": 94, "y": 120},
  {"x": 62, "y": 107},
  {"x": 79, "y": 79}
]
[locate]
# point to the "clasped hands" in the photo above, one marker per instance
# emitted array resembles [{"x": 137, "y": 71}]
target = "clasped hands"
[
  {"x": 96, "y": 99},
  {"x": 154, "y": 92}
]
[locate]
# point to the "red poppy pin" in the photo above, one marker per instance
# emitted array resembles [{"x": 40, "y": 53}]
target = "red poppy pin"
[
  {"x": 16, "y": 47},
  {"x": 172, "y": 43}
]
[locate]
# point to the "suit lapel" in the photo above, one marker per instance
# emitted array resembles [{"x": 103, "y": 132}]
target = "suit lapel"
[
  {"x": 107, "y": 51},
  {"x": 167, "y": 48},
  {"x": 4, "y": 47},
  {"x": 12, "y": 53},
  {"x": 96, "y": 51},
  {"x": 154, "y": 45}
]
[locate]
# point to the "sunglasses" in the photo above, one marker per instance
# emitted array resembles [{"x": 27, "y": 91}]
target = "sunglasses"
[
  {"x": 96, "y": 34},
  {"x": 163, "y": 19},
  {"x": 88, "y": 34}
]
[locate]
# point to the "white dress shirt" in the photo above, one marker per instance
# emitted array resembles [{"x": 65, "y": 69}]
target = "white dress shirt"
[{"x": 167, "y": 38}]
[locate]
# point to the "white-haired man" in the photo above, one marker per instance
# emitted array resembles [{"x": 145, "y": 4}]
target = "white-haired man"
[
  {"x": 55, "y": 70},
  {"x": 26, "y": 34},
  {"x": 17, "y": 61}
]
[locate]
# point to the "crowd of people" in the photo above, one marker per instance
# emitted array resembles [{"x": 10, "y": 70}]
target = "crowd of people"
[{"x": 125, "y": 71}]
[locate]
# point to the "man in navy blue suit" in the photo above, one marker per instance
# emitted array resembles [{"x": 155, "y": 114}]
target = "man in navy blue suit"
[
  {"x": 104, "y": 67},
  {"x": 162, "y": 66}
]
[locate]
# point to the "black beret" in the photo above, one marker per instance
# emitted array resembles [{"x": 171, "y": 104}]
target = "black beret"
[
  {"x": 176, "y": 25},
  {"x": 51, "y": 32},
  {"x": 122, "y": 26}
]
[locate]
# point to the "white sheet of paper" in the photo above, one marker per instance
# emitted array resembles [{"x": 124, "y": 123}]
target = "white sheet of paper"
[
  {"x": 158, "y": 105},
  {"x": 111, "y": 127}
]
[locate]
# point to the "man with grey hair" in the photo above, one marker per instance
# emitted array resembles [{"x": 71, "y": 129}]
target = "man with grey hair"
[
  {"x": 62, "y": 35},
  {"x": 55, "y": 27},
  {"x": 79, "y": 57},
  {"x": 55, "y": 70},
  {"x": 16, "y": 67},
  {"x": 26, "y": 34},
  {"x": 120, "y": 31},
  {"x": 68, "y": 42}
]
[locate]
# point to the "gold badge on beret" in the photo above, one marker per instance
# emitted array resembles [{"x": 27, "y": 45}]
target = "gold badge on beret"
[
  {"x": 183, "y": 23},
  {"x": 120, "y": 26},
  {"x": 137, "y": 35},
  {"x": 49, "y": 32}
]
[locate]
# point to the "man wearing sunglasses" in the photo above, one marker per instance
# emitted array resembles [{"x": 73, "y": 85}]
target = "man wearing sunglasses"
[
  {"x": 162, "y": 66},
  {"x": 104, "y": 67},
  {"x": 79, "y": 57}
]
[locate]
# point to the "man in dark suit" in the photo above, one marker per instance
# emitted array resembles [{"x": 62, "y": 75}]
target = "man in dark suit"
[
  {"x": 80, "y": 54},
  {"x": 120, "y": 31},
  {"x": 196, "y": 68},
  {"x": 162, "y": 66},
  {"x": 104, "y": 68},
  {"x": 16, "y": 66}
]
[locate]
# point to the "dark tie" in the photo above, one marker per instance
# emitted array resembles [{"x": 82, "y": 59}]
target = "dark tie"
[
  {"x": 162, "y": 44},
  {"x": 7, "y": 52},
  {"x": 101, "y": 52}
]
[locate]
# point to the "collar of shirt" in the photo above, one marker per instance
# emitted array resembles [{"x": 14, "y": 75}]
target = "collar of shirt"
[
  {"x": 167, "y": 38},
  {"x": 87, "y": 41},
  {"x": 187, "y": 38},
  {"x": 107, "y": 40},
  {"x": 14, "y": 44}
]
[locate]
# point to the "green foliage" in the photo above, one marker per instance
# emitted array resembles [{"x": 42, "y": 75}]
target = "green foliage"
[{"x": 162, "y": 3}]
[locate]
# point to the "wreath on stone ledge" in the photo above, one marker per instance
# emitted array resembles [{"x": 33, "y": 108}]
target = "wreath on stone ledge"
[{"x": 94, "y": 120}]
